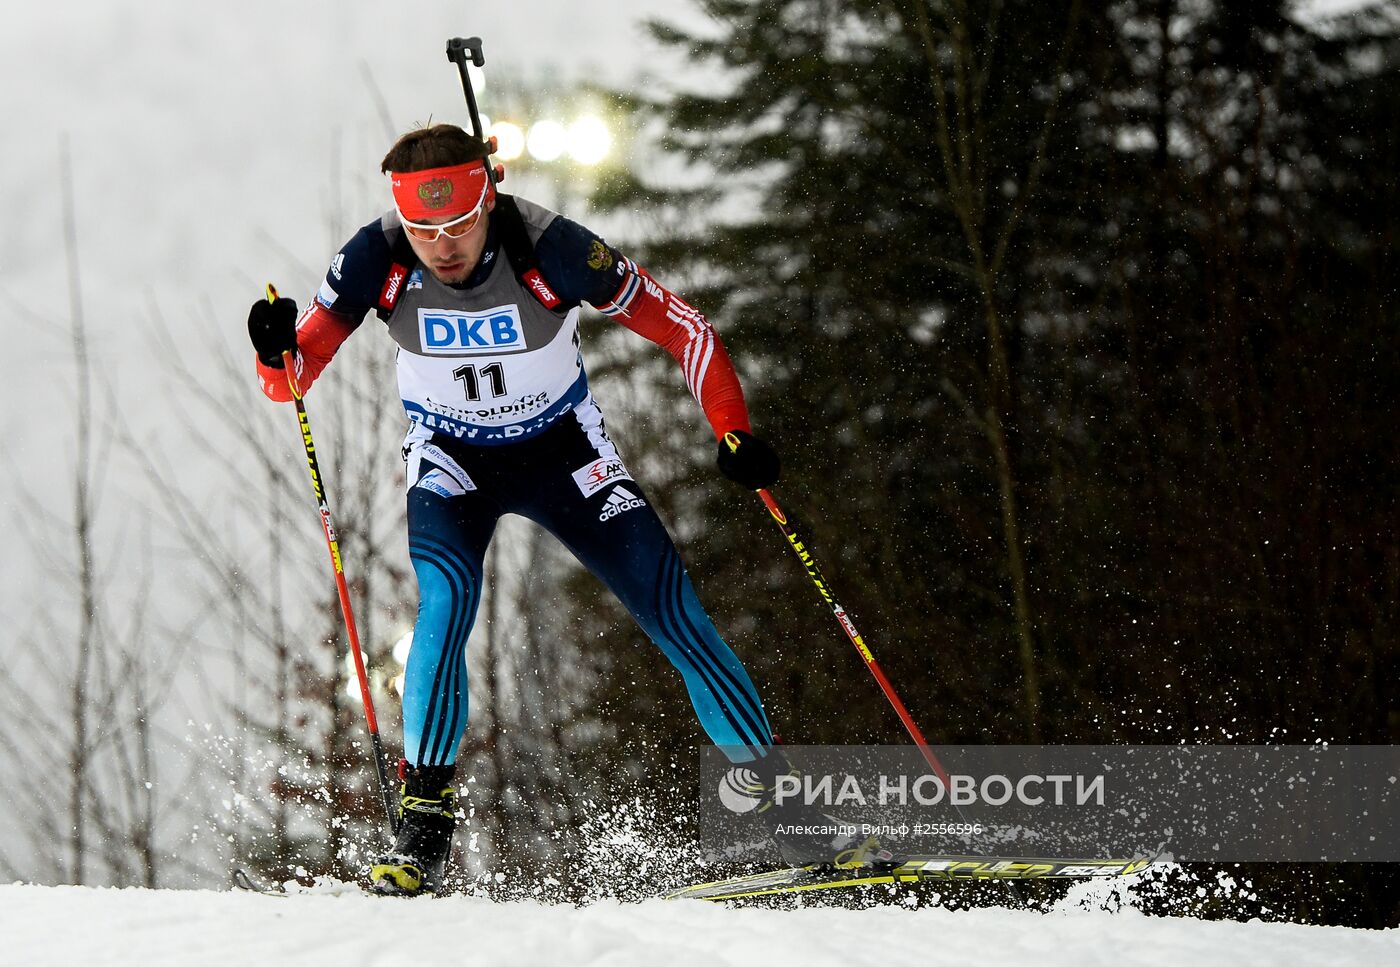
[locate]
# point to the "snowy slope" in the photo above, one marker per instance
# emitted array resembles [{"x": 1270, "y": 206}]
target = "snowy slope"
[{"x": 97, "y": 928}]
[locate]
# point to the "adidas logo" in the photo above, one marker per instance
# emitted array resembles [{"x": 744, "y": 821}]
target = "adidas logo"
[{"x": 620, "y": 501}]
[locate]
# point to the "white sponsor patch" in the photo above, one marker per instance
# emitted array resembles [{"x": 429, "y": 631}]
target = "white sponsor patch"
[
  {"x": 447, "y": 333},
  {"x": 440, "y": 483},
  {"x": 599, "y": 474},
  {"x": 445, "y": 474},
  {"x": 326, "y": 295},
  {"x": 620, "y": 501}
]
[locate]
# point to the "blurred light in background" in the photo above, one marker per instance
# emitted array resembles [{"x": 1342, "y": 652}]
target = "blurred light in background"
[
  {"x": 546, "y": 141},
  {"x": 352, "y": 680},
  {"x": 589, "y": 140},
  {"x": 581, "y": 138},
  {"x": 402, "y": 646},
  {"x": 400, "y": 654},
  {"x": 401, "y": 650},
  {"x": 478, "y": 80},
  {"x": 510, "y": 140}
]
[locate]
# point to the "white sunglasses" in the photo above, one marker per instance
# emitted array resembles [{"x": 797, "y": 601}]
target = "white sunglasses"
[{"x": 455, "y": 228}]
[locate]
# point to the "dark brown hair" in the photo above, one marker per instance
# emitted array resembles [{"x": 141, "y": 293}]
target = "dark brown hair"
[{"x": 434, "y": 146}]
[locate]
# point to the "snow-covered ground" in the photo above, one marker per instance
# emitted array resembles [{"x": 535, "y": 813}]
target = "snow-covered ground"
[{"x": 97, "y": 928}]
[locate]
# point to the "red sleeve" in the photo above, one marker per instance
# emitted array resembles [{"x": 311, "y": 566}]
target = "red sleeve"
[
  {"x": 644, "y": 306},
  {"x": 319, "y": 334}
]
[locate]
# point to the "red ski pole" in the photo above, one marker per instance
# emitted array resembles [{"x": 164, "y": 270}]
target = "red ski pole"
[
  {"x": 333, "y": 545},
  {"x": 815, "y": 573}
]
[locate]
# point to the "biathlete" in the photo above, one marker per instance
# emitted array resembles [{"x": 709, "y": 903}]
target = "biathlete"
[{"x": 481, "y": 291}]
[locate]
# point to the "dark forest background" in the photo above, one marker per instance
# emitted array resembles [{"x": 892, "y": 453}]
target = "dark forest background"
[{"x": 1075, "y": 327}]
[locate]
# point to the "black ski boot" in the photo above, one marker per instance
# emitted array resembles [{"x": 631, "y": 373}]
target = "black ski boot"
[
  {"x": 803, "y": 834},
  {"x": 427, "y": 816}
]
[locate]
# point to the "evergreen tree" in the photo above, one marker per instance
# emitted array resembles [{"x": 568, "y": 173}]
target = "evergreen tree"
[{"x": 1073, "y": 325}]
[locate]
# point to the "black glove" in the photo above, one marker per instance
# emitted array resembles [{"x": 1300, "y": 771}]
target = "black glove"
[
  {"x": 750, "y": 462},
  {"x": 273, "y": 328}
]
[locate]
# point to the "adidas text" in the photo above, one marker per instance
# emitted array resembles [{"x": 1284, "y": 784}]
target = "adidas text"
[{"x": 620, "y": 501}]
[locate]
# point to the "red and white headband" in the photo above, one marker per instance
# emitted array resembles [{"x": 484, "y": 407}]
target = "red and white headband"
[{"x": 458, "y": 190}]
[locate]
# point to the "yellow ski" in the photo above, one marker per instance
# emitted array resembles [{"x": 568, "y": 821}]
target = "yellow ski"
[{"x": 803, "y": 879}]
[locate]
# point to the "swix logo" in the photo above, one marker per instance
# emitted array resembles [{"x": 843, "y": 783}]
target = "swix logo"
[
  {"x": 620, "y": 501},
  {"x": 541, "y": 289},
  {"x": 390, "y": 293},
  {"x": 598, "y": 474}
]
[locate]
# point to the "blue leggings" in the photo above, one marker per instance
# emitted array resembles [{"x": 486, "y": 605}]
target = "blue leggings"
[{"x": 570, "y": 481}]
